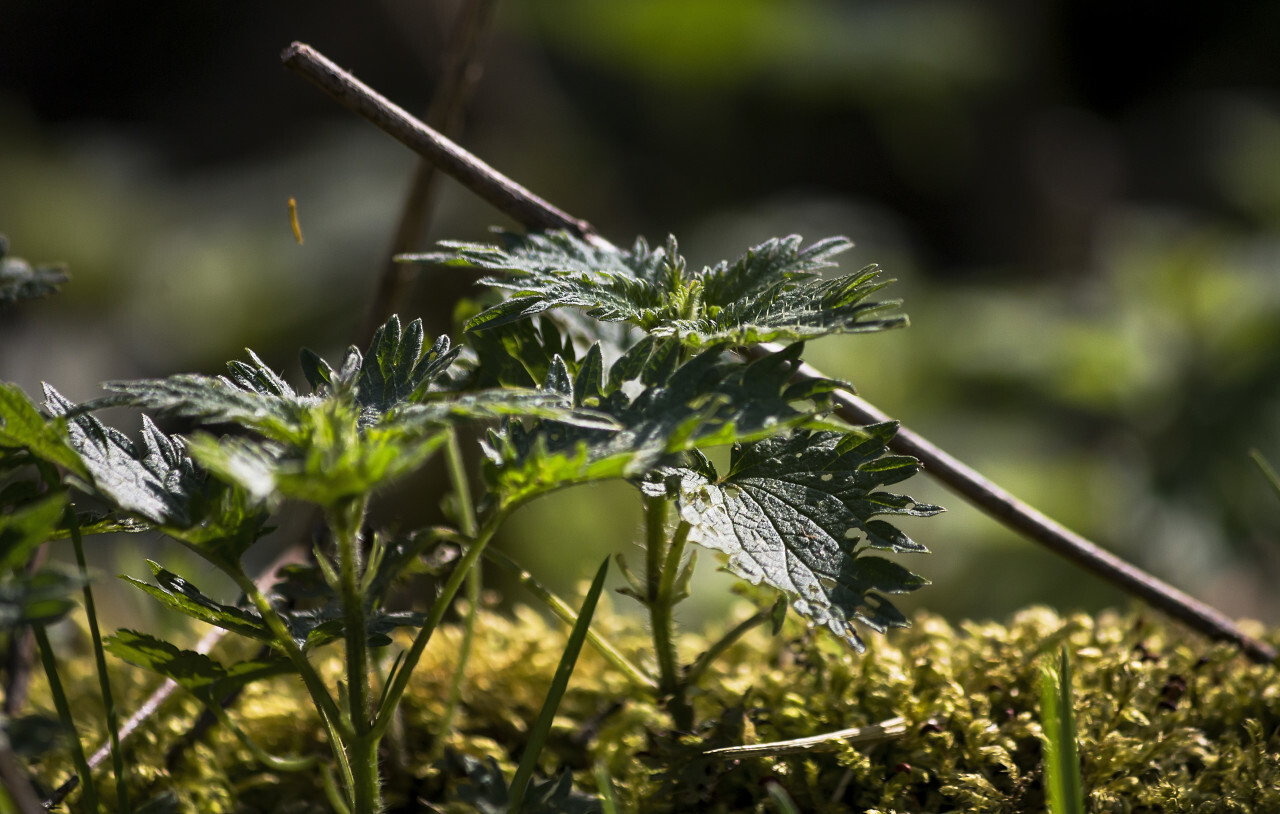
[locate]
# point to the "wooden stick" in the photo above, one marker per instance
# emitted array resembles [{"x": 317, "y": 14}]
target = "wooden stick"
[
  {"x": 534, "y": 213},
  {"x": 461, "y": 72},
  {"x": 504, "y": 194}
]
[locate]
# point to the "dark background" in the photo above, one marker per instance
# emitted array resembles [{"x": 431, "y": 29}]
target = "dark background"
[{"x": 1081, "y": 203}]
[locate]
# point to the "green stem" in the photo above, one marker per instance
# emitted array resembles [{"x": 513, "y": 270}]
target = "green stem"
[
  {"x": 392, "y": 697},
  {"x": 726, "y": 641},
  {"x": 284, "y": 640},
  {"x": 273, "y": 762},
  {"x": 90, "y": 794},
  {"x": 565, "y": 613},
  {"x": 345, "y": 521},
  {"x": 100, "y": 661},
  {"x": 467, "y": 520},
  {"x": 658, "y": 598}
]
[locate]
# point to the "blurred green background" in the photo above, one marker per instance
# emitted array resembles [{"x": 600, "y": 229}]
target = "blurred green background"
[{"x": 1080, "y": 202}]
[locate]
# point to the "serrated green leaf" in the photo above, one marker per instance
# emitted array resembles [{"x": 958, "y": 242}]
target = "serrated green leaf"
[
  {"x": 180, "y": 595},
  {"x": 711, "y": 399},
  {"x": 22, "y": 426},
  {"x": 19, "y": 280},
  {"x": 772, "y": 293},
  {"x": 796, "y": 513},
  {"x": 158, "y": 482},
  {"x": 207, "y": 679}
]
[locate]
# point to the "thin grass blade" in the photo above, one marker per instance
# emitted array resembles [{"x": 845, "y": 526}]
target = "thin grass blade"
[
  {"x": 1064, "y": 789},
  {"x": 542, "y": 727}
]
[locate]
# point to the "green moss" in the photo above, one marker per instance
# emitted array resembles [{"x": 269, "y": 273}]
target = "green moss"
[{"x": 1168, "y": 722}]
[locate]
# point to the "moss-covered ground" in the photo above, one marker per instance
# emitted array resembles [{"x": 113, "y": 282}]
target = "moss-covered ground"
[{"x": 1168, "y": 723}]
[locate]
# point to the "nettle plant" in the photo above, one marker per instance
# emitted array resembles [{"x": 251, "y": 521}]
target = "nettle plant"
[{"x": 599, "y": 364}]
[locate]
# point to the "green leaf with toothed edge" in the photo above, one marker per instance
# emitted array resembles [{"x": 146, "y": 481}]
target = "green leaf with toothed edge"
[
  {"x": 772, "y": 293},
  {"x": 797, "y": 514},
  {"x": 205, "y": 677},
  {"x": 711, "y": 399}
]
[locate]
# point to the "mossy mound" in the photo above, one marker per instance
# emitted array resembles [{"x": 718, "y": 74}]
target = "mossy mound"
[{"x": 1168, "y": 723}]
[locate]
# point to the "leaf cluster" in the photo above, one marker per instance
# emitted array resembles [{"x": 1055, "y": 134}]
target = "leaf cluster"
[{"x": 772, "y": 293}]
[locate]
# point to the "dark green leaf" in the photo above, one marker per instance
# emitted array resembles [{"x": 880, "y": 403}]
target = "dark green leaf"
[
  {"x": 202, "y": 676},
  {"x": 42, "y": 598},
  {"x": 773, "y": 293},
  {"x": 712, "y": 399},
  {"x": 159, "y": 483},
  {"x": 176, "y": 593},
  {"x": 796, "y": 513}
]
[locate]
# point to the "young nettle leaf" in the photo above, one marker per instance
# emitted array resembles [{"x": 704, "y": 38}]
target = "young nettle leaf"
[
  {"x": 773, "y": 293},
  {"x": 180, "y": 595},
  {"x": 204, "y": 677},
  {"x": 19, "y": 280},
  {"x": 711, "y": 399},
  {"x": 159, "y": 483},
  {"x": 797, "y": 513},
  {"x": 24, "y": 427}
]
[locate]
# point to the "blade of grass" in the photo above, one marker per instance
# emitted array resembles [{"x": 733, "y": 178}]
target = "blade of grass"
[
  {"x": 1064, "y": 789},
  {"x": 88, "y": 797},
  {"x": 100, "y": 661},
  {"x": 1267, "y": 471},
  {"x": 559, "y": 683}
]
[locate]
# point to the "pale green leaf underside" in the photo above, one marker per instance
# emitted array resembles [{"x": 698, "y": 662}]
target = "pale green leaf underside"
[
  {"x": 797, "y": 514},
  {"x": 773, "y": 293},
  {"x": 19, "y": 280}
]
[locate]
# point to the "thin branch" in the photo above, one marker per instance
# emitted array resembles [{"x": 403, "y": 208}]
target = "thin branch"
[
  {"x": 462, "y": 69},
  {"x": 1031, "y": 523},
  {"x": 504, "y": 194},
  {"x": 534, "y": 213}
]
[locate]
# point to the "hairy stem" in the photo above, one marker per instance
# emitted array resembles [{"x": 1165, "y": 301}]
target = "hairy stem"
[
  {"x": 345, "y": 522},
  {"x": 284, "y": 640},
  {"x": 726, "y": 641},
  {"x": 658, "y": 598}
]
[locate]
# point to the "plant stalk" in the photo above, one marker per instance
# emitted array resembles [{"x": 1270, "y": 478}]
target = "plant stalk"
[
  {"x": 466, "y": 519},
  {"x": 345, "y": 521},
  {"x": 569, "y": 616},
  {"x": 659, "y": 579}
]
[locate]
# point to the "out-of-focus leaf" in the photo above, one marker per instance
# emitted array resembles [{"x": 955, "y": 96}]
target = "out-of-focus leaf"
[
  {"x": 19, "y": 280},
  {"x": 25, "y": 528}
]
